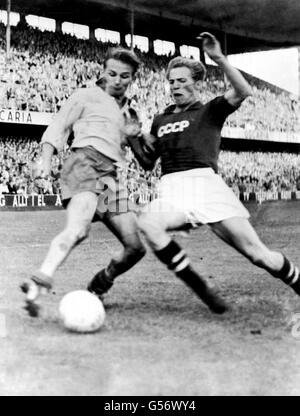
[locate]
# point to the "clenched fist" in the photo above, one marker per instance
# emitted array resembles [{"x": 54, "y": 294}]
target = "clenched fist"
[{"x": 40, "y": 169}]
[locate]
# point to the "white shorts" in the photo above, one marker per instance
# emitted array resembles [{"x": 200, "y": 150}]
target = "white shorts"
[{"x": 200, "y": 194}]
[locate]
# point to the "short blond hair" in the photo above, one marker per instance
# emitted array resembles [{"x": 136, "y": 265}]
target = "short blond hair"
[
  {"x": 197, "y": 68},
  {"x": 126, "y": 56}
]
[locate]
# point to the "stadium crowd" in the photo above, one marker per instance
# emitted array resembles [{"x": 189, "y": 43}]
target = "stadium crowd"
[
  {"x": 258, "y": 171},
  {"x": 46, "y": 67},
  {"x": 245, "y": 172},
  {"x": 16, "y": 156}
]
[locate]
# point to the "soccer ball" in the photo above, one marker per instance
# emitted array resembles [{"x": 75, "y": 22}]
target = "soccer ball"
[{"x": 81, "y": 311}]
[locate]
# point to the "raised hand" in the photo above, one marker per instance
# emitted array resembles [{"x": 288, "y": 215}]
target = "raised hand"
[{"x": 211, "y": 45}]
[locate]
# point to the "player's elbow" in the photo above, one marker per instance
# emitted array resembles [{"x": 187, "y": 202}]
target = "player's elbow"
[
  {"x": 246, "y": 92},
  {"x": 236, "y": 96}
]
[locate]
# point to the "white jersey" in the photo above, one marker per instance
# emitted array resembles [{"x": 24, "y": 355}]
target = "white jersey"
[{"x": 96, "y": 120}]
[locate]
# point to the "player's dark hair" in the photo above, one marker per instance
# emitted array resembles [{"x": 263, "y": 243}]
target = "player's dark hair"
[
  {"x": 197, "y": 69},
  {"x": 124, "y": 55}
]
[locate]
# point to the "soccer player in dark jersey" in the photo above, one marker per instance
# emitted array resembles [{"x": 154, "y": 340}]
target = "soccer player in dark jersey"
[
  {"x": 187, "y": 138},
  {"x": 91, "y": 189}
]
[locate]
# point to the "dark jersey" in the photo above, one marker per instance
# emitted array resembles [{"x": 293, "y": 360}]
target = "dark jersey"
[{"x": 190, "y": 139}]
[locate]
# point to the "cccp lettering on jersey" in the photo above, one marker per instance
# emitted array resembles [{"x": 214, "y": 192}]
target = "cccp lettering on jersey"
[{"x": 176, "y": 127}]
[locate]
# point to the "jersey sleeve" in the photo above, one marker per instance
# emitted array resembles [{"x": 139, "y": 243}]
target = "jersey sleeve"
[
  {"x": 58, "y": 131},
  {"x": 221, "y": 109},
  {"x": 144, "y": 148},
  {"x": 154, "y": 127}
]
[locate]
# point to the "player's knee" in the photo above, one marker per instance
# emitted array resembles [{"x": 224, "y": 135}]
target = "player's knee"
[
  {"x": 136, "y": 251},
  {"x": 143, "y": 223},
  {"x": 83, "y": 232},
  {"x": 147, "y": 225},
  {"x": 153, "y": 231}
]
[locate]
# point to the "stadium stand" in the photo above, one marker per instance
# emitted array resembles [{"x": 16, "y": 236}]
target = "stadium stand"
[
  {"x": 245, "y": 172},
  {"x": 46, "y": 67}
]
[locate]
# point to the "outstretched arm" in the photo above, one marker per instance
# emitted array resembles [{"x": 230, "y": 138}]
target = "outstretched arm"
[
  {"x": 59, "y": 129},
  {"x": 240, "y": 87}
]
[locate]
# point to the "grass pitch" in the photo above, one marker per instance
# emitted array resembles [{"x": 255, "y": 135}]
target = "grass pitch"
[{"x": 158, "y": 338}]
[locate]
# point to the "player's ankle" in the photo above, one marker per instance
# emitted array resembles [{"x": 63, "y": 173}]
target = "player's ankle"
[
  {"x": 42, "y": 280},
  {"x": 100, "y": 283},
  {"x": 289, "y": 273}
]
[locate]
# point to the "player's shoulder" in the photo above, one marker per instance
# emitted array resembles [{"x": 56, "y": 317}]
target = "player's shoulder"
[
  {"x": 221, "y": 105},
  {"x": 218, "y": 100},
  {"x": 77, "y": 95},
  {"x": 89, "y": 91},
  {"x": 94, "y": 95},
  {"x": 168, "y": 110}
]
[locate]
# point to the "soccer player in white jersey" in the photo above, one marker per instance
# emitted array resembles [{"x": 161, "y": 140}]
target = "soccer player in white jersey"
[
  {"x": 91, "y": 188},
  {"x": 187, "y": 138}
]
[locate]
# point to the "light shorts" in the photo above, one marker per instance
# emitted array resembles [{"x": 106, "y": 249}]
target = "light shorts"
[
  {"x": 201, "y": 194},
  {"x": 88, "y": 170}
]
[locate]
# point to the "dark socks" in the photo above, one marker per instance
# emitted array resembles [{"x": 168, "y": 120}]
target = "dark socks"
[
  {"x": 290, "y": 275},
  {"x": 100, "y": 283},
  {"x": 104, "y": 279},
  {"x": 176, "y": 260}
]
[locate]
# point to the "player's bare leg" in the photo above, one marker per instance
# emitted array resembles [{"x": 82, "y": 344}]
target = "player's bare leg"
[
  {"x": 155, "y": 227},
  {"x": 239, "y": 233},
  {"x": 80, "y": 212},
  {"x": 124, "y": 227}
]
